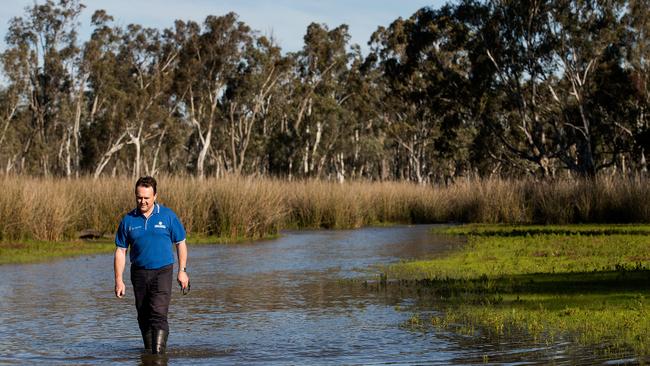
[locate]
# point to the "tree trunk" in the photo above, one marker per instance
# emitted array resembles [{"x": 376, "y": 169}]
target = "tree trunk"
[
  {"x": 644, "y": 164},
  {"x": 152, "y": 172},
  {"x": 136, "y": 162},
  {"x": 117, "y": 146},
  {"x": 319, "y": 133},
  {"x": 68, "y": 157},
  {"x": 75, "y": 132},
  {"x": 6, "y": 126},
  {"x": 200, "y": 162},
  {"x": 340, "y": 168}
]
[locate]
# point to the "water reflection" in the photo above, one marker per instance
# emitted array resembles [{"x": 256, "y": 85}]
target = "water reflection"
[{"x": 285, "y": 301}]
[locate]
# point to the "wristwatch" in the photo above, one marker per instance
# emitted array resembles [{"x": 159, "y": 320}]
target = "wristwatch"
[{"x": 182, "y": 269}]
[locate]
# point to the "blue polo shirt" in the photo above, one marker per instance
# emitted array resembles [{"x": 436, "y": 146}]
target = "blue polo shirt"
[{"x": 150, "y": 238}]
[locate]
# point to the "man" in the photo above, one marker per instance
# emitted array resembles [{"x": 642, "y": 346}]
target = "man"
[{"x": 150, "y": 230}]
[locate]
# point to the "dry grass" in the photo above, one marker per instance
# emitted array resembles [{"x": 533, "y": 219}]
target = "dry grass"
[{"x": 51, "y": 209}]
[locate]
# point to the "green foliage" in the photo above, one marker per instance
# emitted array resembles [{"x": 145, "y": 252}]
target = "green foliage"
[{"x": 489, "y": 88}]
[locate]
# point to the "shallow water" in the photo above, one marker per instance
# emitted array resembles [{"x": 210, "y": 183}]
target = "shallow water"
[{"x": 275, "y": 302}]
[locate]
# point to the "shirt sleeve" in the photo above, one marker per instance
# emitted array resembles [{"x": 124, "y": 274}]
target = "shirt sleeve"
[
  {"x": 121, "y": 236},
  {"x": 177, "y": 230}
]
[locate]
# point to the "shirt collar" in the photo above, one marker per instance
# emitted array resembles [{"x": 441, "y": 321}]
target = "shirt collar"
[{"x": 156, "y": 209}]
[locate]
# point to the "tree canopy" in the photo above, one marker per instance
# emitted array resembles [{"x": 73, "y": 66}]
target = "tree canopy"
[{"x": 475, "y": 88}]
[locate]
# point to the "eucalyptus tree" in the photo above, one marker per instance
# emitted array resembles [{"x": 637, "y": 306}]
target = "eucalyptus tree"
[
  {"x": 440, "y": 52},
  {"x": 104, "y": 132},
  {"x": 425, "y": 74},
  {"x": 637, "y": 21},
  {"x": 398, "y": 108},
  {"x": 586, "y": 33},
  {"x": 250, "y": 92},
  {"x": 541, "y": 70},
  {"x": 12, "y": 98},
  {"x": 316, "y": 96},
  {"x": 146, "y": 65},
  {"x": 361, "y": 149},
  {"x": 513, "y": 66},
  {"x": 209, "y": 58},
  {"x": 42, "y": 46}
]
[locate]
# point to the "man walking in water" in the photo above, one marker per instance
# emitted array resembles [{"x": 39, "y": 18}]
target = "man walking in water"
[{"x": 150, "y": 230}]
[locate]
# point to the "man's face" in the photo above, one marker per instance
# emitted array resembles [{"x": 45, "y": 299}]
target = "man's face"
[{"x": 145, "y": 198}]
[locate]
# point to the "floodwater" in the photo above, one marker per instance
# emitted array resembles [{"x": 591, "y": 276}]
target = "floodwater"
[{"x": 278, "y": 302}]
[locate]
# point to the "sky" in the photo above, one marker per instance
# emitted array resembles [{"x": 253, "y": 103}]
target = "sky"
[{"x": 286, "y": 20}]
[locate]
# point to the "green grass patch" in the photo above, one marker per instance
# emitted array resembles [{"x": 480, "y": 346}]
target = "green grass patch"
[
  {"x": 34, "y": 251},
  {"x": 42, "y": 251},
  {"x": 588, "y": 283},
  {"x": 526, "y": 230}
]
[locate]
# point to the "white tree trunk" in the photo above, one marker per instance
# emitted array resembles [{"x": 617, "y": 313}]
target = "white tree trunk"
[
  {"x": 117, "y": 146},
  {"x": 319, "y": 134},
  {"x": 154, "y": 164},
  {"x": 200, "y": 162},
  {"x": 340, "y": 168},
  {"x": 76, "y": 132},
  {"x": 68, "y": 158},
  {"x": 136, "y": 163},
  {"x": 8, "y": 119}
]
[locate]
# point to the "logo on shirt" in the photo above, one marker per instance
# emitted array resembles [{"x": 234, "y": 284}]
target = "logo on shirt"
[
  {"x": 160, "y": 225},
  {"x": 131, "y": 228}
]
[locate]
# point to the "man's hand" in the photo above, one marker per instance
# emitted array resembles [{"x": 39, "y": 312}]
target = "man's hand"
[
  {"x": 120, "y": 260},
  {"x": 120, "y": 289},
  {"x": 183, "y": 279}
]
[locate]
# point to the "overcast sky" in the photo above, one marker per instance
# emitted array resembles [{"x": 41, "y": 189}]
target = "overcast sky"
[{"x": 286, "y": 20}]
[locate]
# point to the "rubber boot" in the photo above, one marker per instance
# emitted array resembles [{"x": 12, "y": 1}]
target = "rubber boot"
[
  {"x": 159, "y": 344},
  {"x": 147, "y": 339}
]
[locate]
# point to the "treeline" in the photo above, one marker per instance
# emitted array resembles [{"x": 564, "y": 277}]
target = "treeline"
[{"x": 483, "y": 88}]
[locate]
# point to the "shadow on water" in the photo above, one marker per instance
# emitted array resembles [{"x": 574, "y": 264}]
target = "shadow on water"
[
  {"x": 568, "y": 283},
  {"x": 186, "y": 354},
  {"x": 571, "y": 284}
]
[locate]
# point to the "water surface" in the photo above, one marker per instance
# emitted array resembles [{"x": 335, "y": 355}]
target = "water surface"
[{"x": 275, "y": 302}]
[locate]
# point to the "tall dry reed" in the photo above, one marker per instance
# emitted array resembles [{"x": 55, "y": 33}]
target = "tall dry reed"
[{"x": 51, "y": 209}]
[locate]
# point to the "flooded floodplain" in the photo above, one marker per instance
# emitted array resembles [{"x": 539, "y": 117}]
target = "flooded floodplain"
[{"x": 285, "y": 301}]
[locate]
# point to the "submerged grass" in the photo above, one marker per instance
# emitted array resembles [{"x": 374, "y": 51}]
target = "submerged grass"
[{"x": 579, "y": 284}]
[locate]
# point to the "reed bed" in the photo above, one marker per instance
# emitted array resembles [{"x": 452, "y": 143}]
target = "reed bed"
[{"x": 245, "y": 207}]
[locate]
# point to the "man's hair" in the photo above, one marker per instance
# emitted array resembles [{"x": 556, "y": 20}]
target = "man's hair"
[{"x": 146, "y": 182}]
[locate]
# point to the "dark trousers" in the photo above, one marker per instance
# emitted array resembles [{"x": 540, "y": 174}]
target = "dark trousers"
[{"x": 153, "y": 292}]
